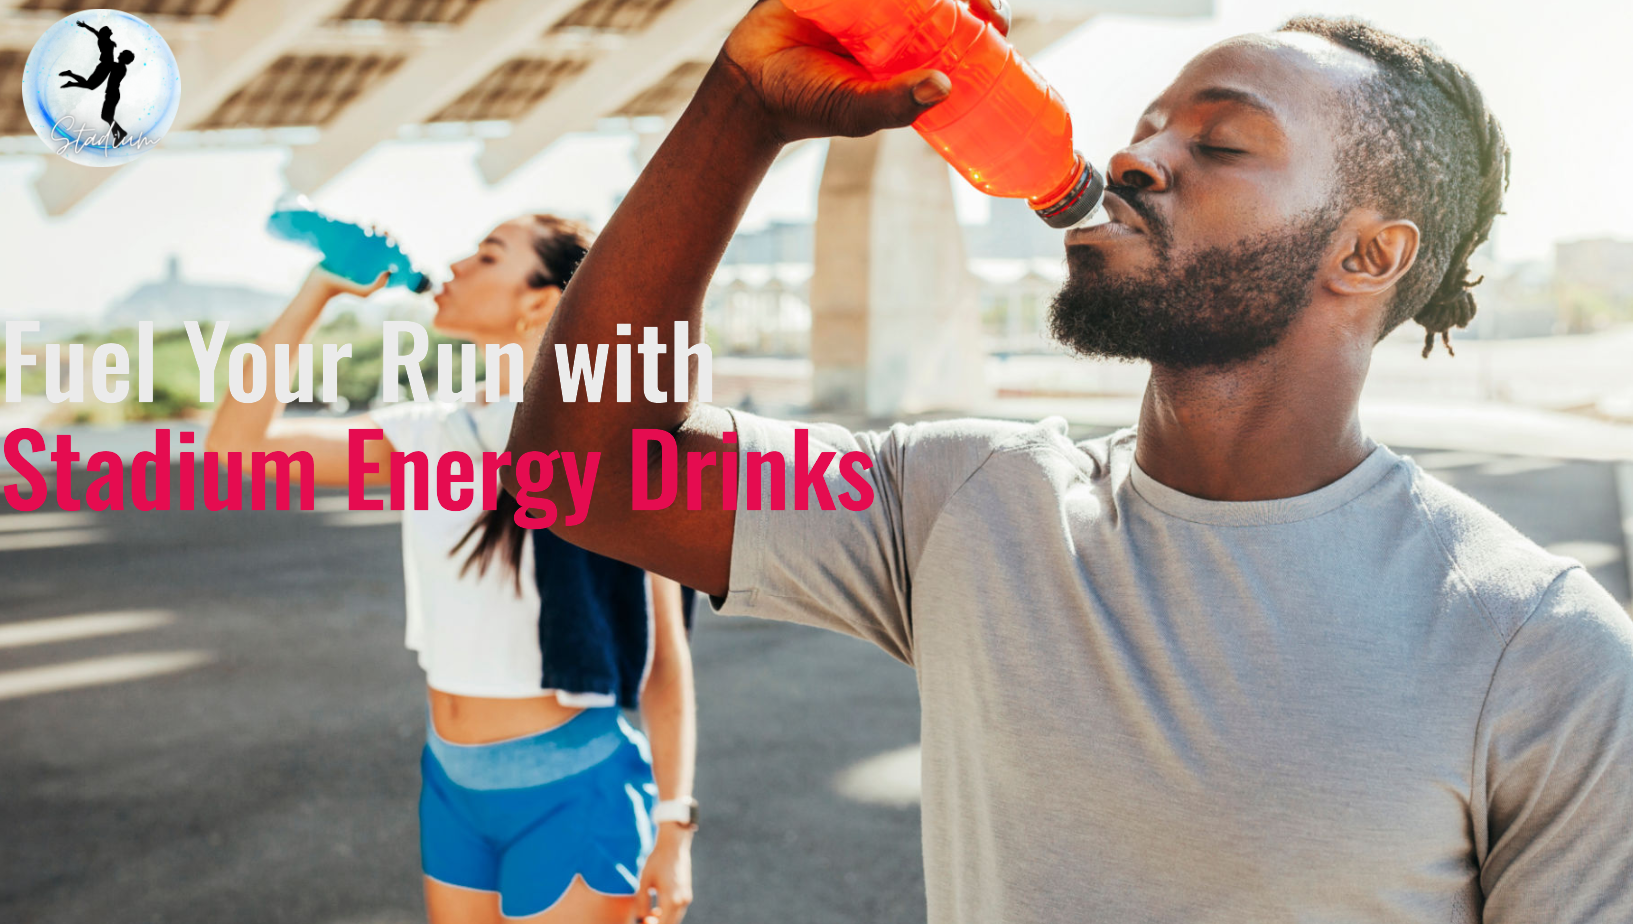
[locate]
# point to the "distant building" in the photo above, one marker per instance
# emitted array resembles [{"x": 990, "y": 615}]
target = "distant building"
[
  {"x": 1013, "y": 233},
  {"x": 1594, "y": 283},
  {"x": 1513, "y": 300},
  {"x": 779, "y": 242},
  {"x": 759, "y": 309},
  {"x": 1014, "y": 295},
  {"x": 173, "y": 301},
  {"x": 758, "y": 303}
]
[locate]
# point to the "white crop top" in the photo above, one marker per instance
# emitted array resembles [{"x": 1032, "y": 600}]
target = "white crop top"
[{"x": 474, "y": 636}]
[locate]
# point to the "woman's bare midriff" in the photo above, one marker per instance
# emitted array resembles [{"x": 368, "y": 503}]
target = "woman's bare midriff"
[{"x": 482, "y": 720}]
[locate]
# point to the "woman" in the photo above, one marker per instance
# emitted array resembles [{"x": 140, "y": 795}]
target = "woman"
[{"x": 538, "y": 800}]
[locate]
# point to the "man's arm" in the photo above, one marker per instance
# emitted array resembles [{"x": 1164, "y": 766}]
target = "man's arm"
[
  {"x": 1554, "y": 765},
  {"x": 777, "y": 79}
]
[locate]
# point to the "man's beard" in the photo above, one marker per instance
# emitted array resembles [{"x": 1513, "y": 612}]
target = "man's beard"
[{"x": 1216, "y": 307}]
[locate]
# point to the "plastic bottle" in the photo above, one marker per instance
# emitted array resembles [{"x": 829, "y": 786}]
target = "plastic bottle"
[
  {"x": 352, "y": 252},
  {"x": 1004, "y": 129}
]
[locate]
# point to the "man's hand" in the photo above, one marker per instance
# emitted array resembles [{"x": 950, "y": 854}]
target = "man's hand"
[
  {"x": 667, "y": 873},
  {"x": 809, "y": 86}
]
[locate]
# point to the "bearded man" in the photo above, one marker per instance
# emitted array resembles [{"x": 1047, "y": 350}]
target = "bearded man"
[{"x": 1241, "y": 662}]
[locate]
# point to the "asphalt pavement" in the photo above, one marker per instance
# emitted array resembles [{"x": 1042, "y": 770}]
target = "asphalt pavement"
[{"x": 211, "y": 717}]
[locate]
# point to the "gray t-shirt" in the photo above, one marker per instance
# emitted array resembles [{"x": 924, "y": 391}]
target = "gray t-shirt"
[{"x": 1376, "y": 702}]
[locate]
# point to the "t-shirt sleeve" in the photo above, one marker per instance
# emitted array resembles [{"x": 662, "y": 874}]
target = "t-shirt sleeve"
[
  {"x": 845, "y": 570},
  {"x": 413, "y": 426},
  {"x": 1555, "y": 764}
]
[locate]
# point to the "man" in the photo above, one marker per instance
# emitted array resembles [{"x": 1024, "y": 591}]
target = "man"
[
  {"x": 1241, "y": 663},
  {"x": 111, "y": 70}
]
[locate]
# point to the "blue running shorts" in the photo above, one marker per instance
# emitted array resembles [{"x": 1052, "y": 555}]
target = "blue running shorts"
[{"x": 523, "y": 817}]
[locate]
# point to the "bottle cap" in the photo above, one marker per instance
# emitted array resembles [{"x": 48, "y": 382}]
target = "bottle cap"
[{"x": 1079, "y": 203}]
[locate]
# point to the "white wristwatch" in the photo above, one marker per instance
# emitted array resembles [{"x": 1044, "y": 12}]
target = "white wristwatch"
[{"x": 684, "y": 812}]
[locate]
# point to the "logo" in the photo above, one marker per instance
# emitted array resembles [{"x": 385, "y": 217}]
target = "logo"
[{"x": 101, "y": 88}]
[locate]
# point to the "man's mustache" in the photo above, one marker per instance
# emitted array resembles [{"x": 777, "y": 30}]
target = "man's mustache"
[{"x": 1132, "y": 196}]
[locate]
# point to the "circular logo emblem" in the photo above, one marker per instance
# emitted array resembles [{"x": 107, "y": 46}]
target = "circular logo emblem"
[{"x": 101, "y": 88}]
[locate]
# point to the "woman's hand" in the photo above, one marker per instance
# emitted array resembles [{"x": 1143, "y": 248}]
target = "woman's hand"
[
  {"x": 328, "y": 285},
  {"x": 667, "y": 872},
  {"x": 810, "y": 88}
]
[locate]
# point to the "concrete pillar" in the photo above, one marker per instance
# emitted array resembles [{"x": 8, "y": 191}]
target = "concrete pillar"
[{"x": 895, "y": 311}]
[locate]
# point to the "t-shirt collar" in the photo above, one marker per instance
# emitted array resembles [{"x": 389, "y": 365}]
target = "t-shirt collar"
[{"x": 1265, "y": 512}]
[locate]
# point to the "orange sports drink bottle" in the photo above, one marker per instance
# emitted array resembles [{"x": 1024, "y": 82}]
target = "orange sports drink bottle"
[{"x": 1004, "y": 129}]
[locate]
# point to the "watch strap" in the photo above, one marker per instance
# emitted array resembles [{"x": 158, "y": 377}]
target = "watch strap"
[{"x": 685, "y": 812}]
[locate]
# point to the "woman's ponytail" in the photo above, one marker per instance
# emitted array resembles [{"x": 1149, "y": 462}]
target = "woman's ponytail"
[{"x": 560, "y": 244}]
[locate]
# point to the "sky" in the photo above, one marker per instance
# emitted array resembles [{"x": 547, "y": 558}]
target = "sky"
[{"x": 1559, "y": 76}]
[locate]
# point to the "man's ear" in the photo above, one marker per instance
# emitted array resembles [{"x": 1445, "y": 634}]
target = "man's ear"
[{"x": 1381, "y": 251}]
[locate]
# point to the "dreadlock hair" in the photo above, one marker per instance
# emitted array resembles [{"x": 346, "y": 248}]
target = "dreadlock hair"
[
  {"x": 560, "y": 245},
  {"x": 1425, "y": 147}
]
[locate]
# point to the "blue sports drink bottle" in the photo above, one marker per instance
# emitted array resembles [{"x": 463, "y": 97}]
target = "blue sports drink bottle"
[{"x": 352, "y": 252}]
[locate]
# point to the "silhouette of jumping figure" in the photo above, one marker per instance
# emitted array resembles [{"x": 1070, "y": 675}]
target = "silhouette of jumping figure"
[{"x": 108, "y": 70}]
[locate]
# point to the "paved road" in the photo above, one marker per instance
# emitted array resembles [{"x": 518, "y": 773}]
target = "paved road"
[{"x": 260, "y": 764}]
